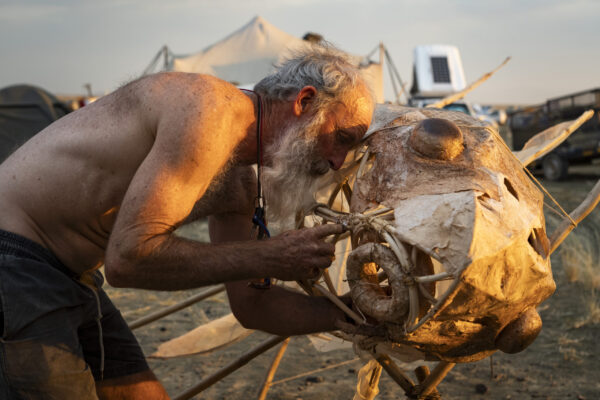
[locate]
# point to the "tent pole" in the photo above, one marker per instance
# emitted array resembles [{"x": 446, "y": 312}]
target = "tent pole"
[
  {"x": 392, "y": 68},
  {"x": 152, "y": 64},
  {"x": 396, "y": 93},
  {"x": 166, "y": 57}
]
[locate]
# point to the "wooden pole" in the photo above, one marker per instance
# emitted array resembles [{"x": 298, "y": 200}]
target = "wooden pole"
[
  {"x": 170, "y": 310},
  {"x": 586, "y": 206},
  {"x": 396, "y": 373},
  {"x": 262, "y": 394},
  {"x": 439, "y": 372},
  {"x": 231, "y": 367},
  {"x": 422, "y": 372}
]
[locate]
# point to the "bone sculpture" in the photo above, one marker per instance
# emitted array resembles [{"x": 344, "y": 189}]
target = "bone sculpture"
[
  {"x": 450, "y": 254},
  {"x": 456, "y": 228}
]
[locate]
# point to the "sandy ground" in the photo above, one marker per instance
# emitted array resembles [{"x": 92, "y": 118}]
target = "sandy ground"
[{"x": 563, "y": 363}]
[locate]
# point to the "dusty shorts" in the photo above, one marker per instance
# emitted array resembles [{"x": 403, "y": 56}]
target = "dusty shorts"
[{"x": 53, "y": 345}]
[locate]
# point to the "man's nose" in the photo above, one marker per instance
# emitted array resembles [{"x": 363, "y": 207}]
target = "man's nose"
[{"x": 337, "y": 160}]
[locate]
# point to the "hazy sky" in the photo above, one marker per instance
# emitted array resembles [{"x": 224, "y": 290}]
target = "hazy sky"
[{"x": 62, "y": 44}]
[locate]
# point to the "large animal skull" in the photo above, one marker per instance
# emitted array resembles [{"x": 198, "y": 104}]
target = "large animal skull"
[{"x": 470, "y": 242}]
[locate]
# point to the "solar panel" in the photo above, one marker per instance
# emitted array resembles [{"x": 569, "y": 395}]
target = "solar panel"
[{"x": 441, "y": 72}]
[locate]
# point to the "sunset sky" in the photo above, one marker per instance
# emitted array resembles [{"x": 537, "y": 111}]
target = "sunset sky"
[{"x": 62, "y": 44}]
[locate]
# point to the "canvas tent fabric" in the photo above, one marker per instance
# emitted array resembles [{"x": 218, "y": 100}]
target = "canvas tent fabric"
[
  {"x": 24, "y": 111},
  {"x": 250, "y": 53}
]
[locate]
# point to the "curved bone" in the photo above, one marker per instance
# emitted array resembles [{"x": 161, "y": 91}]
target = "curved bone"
[{"x": 366, "y": 293}]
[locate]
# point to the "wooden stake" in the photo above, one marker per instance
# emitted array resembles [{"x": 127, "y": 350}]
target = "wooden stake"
[
  {"x": 170, "y": 310},
  {"x": 422, "y": 372},
  {"x": 262, "y": 394},
  {"x": 231, "y": 367},
  {"x": 439, "y": 372},
  {"x": 586, "y": 206},
  {"x": 396, "y": 373}
]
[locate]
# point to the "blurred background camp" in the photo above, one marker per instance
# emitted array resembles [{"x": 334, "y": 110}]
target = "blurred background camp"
[{"x": 79, "y": 50}]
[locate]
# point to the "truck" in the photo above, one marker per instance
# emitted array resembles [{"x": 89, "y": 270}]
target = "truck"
[
  {"x": 583, "y": 146},
  {"x": 437, "y": 73}
]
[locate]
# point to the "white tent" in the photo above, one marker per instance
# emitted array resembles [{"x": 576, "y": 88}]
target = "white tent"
[{"x": 249, "y": 54}]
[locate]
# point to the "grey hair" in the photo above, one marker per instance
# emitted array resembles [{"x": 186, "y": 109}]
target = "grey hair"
[{"x": 323, "y": 66}]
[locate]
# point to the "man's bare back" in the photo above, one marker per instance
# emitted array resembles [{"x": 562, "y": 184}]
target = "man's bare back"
[
  {"x": 63, "y": 189},
  {"x": 111, "y": 182}
]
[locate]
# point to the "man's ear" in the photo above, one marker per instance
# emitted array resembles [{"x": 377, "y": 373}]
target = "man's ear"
[{"x": 303, "y": 100}]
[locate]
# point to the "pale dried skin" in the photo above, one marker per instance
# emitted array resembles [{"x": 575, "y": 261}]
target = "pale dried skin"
[
  {"x": 478, "y": 212},
  {"x": 367, "y": 386},
  {"x": 205, "y": 338}
]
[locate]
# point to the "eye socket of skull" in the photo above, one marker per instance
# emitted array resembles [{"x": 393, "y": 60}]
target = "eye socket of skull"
[{"x": 437, "y": 138}]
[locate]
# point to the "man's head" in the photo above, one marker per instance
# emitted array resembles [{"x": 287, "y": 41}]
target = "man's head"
[{"x": 323, "y": 109}]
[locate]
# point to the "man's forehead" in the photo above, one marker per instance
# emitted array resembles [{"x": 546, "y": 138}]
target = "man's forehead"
[{"x": 357, "y": 115}]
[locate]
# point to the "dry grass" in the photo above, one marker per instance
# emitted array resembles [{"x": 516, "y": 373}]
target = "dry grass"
[
  {"x": 579, "y": 261},
  {"x": 567, "y": 348}
]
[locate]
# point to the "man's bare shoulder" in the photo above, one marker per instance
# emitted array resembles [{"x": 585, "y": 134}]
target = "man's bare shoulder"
[{"x": 183, "y": 90}]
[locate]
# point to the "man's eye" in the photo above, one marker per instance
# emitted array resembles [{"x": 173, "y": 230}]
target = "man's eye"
[{"x": 345, "y": 138}]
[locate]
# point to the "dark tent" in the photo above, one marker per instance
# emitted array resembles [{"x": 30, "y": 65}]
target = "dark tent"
[{"x": 24, "y": 111}]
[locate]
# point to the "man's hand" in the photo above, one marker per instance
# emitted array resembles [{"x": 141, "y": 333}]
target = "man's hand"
[{"x": 302, "y": 254}]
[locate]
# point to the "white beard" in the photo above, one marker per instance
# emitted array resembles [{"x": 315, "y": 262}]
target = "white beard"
[{"x": 292, "y": 180}]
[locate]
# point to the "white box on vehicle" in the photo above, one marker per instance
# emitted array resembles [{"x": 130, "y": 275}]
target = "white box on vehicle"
[{"x": 438, "y": 71}]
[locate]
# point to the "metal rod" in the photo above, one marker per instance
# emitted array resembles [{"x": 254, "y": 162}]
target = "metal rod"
[
  {"x": 231, "y": 367},
  {"x": 436, "y": 376},
  {"x": 262, "y": 395},
  {"x": 395, "y": 373},
  {"x": 170, "y": 310}
]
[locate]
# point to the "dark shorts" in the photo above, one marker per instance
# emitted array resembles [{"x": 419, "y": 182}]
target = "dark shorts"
[{"x": 52, "y": 342}]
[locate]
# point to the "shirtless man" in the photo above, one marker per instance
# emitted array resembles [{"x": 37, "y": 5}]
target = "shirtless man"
[{"x": 109, "y": 184}]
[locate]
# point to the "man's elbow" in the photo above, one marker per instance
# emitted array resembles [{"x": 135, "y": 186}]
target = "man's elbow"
[
  {"x": 243, "y": 306},
  {"x": 241, "y": 313},
  {"x": 119, "y": 272}
]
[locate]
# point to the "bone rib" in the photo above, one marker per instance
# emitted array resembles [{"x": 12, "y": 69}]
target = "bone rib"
[
  {"x": 426, "y": 294},
  {"x": 433, "y": 278},
  {"x": 413, "y": 302},
  {"x": 363, "y": 163}
]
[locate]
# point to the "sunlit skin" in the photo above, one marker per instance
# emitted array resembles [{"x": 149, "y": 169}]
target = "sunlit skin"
[{"x": 111, "y": 182}]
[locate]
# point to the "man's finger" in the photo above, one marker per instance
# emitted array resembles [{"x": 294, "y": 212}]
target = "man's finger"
[
  {"x": 327, "y": 229},
  {"x": 323, "y": 262},
  {"x": 327, "y": 249}
]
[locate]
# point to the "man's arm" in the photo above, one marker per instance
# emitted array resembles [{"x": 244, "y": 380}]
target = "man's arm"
[
  {"x": 196, "y": 135},
  {"x": 274, "y": 310}
]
